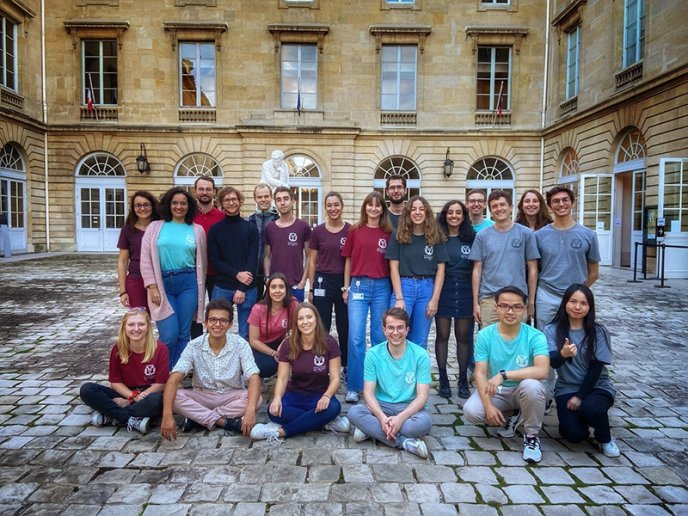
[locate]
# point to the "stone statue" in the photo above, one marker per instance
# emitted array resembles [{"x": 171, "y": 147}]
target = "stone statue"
[{"x": 275, "y": 172}]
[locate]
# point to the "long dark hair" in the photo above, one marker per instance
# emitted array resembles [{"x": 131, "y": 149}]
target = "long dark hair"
[
  {"x": 563, "y": 324},
  {"x": 385, "y": 224},
  {"x": 132, "y": 218},
  {"x": 286, "y": 302},
  {"x": 166, "y": 204},
  {"x": 466, "y": 231},
  {"x": 541, "y": 219}
]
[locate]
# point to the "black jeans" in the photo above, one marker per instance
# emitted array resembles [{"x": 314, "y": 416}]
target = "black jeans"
[
  {"x": 100, "y": 398},
  {"x": 330, "y": 285},
  {"x": 197, "y": 328},
  {"x": 574, "y": 424},
  {"x": 266, "y": 363}
]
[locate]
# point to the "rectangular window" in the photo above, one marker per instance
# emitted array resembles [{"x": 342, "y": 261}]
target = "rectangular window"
[
  {"x": 495, "y": 2},
  {"x": 99, "y": 65},
  {"x": 8, "y": 53},
  {"x": 400, "y": 1},
  {"x": 634, "y": 32},
  {"x": 299, "y": 77},
  {"x": 197, "y": 74},
  {"x": 572, "y": 62},
  {"x": 675, "y": 194},
  {"x": 494, "y": 78},
  {"x": 398, "y": 78}
]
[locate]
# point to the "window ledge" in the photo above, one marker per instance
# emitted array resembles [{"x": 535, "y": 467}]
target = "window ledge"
[
  {"x": 187, "y": 114},
  {"x": 310, "y": 4},
  {"x": 11, "y": 98},
  {"x": 388, "y": 6},
  {"x": 398, "y": 118},
  {"x": 568, "y": 105},
  {"x": 400, "y": 34},
  {"x": 629, "y": 74},
  {"x": 100, "y": 113},
  {"x": 569, "y": 16},
  {"x": 18, "y": 9},
  {"x": 196, "y": 30},
  {"x": 298, "y": 33},
  {"x": 491, "y": 118},
  {"x": 96, "y": 28},
  {"x": 204, "y": 3},
  {"x": 497, "y": 36}
]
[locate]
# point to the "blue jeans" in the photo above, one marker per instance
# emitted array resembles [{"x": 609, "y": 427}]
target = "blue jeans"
[
  {"x": 100, "y": 398},
  {"x": 181, "y": 290},
  {"x": 332, "y": 285},
  {"x": 243, "y": 309},
  {"x": 417, "y": 293},
  {"x": 298, "y": 413},
  {"x": 266, "y": 364},
  {"x": 364, "y": 294},
  {"x": 298, "y": 293}
]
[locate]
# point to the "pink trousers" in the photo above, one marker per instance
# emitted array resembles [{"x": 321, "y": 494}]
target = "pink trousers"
[{"x": 206, "y": 407}]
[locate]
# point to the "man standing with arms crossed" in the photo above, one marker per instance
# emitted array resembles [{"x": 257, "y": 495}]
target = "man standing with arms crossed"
[
  {"x": 263, "y": 215},
  {"x": 286, "y": 240},
  {"x": 396, "y": 191}
]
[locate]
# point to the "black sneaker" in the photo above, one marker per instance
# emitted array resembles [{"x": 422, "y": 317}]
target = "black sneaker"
[
  {"x": 190, "y": 425},
  {"x": 233, "y": 425}
]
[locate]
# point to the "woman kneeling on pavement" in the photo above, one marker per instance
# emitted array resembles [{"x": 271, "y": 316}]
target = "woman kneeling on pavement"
[
  {"x": 307, "y": 381},
  {"x": 139, "y": 367}
]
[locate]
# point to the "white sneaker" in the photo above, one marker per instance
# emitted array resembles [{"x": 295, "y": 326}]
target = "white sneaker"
[
  {"x": 512, "y": 423},
  {"x": 339, "y": 424},
  {"x": 351, "y": 397},
  {"x": 548, "y": 406},
  {"x": 268, "y": 432},
  {"x": 359, "y": 436},
  {"x": 99, "y": 419},
  {"x": 417, "y": 447},
  {"x": 531, "y": 448},
  {"x": 140, "y": 424},
  {"x": 610, "y": 449}
]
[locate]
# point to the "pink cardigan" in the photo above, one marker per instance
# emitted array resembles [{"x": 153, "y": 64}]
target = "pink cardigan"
[{"x": 152, "y": 273}]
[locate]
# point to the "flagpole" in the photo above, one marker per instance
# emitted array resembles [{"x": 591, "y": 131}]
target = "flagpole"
[
  {"x": 499, "y": 103},
  {"x": 93, "y": 97}
]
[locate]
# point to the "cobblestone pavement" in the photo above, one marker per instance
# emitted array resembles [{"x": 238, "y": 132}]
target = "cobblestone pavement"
[{"x": 58, "y": 318}]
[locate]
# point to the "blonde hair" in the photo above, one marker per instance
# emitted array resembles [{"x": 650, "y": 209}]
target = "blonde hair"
[
  {"x": 123, "y": 345},
  {"x": 433, "y": 234}
]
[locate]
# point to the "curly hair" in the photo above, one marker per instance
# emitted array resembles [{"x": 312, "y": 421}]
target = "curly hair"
[
  {"x": 433, "y": 234},
  {"x": 132, "y": 218},
  {"x": 166, "y": 205},
  {"x": 466, "y": 231}
]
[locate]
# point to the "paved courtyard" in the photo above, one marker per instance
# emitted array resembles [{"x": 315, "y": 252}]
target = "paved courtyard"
[{"x": 58, "y": 319}]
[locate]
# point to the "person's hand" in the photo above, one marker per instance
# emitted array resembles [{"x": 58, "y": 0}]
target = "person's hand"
[
  {"x": 244, "y": 277},
  {"x": 492, "y": 384},
  {"x": 574, "y": 403},
  {"x": 301, "y": 285},
  {"x": 275, "y": 355},
  {"x": 494, "y": 416},
  {"x": 476, "y": 314},
  {"x": 400, "y": 303},
  {"x": 121, "y": 402},
  {"x": 155, "y": 294},
  {"x": 140, "y": 396},
  {"x": 124, "y": 299},
  {"x": 248, "y": 422},
  {"x": 431, "y": 310},
  {"x": 322, "y": 404},
  {"x": 569, "y": 349},
  {"x": 393, "y": 426},
  {"x": 239, "y": 297},
  {"x": 276, "y": 407},
  {"x": 168, "y": 427},
  {"x": 531, "y": 310},
  {"x": 345, "y": 296},
  {"x": 310, "y": 296}
]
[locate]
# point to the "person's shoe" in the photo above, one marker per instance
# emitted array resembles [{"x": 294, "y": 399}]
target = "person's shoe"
[
  {"x": 444, "y": 389},
  {"x": 98, "y": 419},
  {"x": 339, "y": 424},
  {"x": 417, "y": 447},
  {"x": 268, "y": 432},
  {"x": 232, "y": 425},
  {"x": 190, "y": 425},
  {"x": 531, "y": 448},
  {"x": 610, "y": 449},
  {"x": 359, "y": 436},
  {"x": 548, "y": 406},
  {"x": 464, "y": 391},
  {"x": 351, "y": 397},
  {"x": 140, "y": 424},
  {"x": 512, "y": 423}
]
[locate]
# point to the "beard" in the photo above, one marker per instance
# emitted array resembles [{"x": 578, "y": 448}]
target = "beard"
[{"x": 400, "y": 200}]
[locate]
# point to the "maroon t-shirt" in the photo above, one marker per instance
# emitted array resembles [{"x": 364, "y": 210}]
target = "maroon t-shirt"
[
  {"x": 130, "y": 239},
  {"x": 287, "y": 245},
  {"x": 329, "y": 247},
  {"x": 206, "y": 220},
  {"x": 310, "y": 373},
  {"x": 136, "y": 373},
  {"x": 366, "y": 247}
]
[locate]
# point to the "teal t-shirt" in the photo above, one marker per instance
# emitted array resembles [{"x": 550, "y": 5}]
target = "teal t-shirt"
[
  {"x": 486, "y": 223},
  {"x": 509, "y": 355},
  {"x": 396, "y": 379},
  {"x": 177, "y": 246}
]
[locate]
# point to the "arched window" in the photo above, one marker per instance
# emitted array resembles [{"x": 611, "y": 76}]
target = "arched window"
[
  {"x": 10, "y": 159},
  {"x": 569, "y": 163},
  {"x": 194, "y": 165},
  {"x": 631, "y": 147},
  {"x": 398, "y": 165},
  {"x": 13, "y": 195},
  {"x": 100, "y": 164},
  {"x": 305, "y": 182},
  {"x": 491, "y": 173}
]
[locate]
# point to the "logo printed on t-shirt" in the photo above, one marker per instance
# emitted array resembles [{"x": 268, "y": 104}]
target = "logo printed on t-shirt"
[
  {"x": 284, "y": 322},
  {"x": 342, "y": 243},
  {"x": 381, "y": 245},
  {"x": 410, "y": 378},
  {"x": 465, "y": 250},
  {"x": 522, "y": 361},
  {"x": 318, "y": 363},
  {"x": 516, "y": 243},
  {"x": 190, "y": 239},
  {"x": 293, "y": 239},
  {"x": 576, "y": 244},
  {"x": 149, "y": 372},
  {"x": 429, "y": 250}
]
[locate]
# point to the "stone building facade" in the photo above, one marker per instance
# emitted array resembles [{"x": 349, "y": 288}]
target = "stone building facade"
[{"x": 351, "y": 91}]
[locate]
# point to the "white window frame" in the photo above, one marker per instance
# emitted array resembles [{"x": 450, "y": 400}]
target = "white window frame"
[
  {"x": 494, "y": 90},
  {"x": 396, "y": 95},
  {"x": 4, "y": 22},
  {"x": 633, "y": 37},
  {"x": 572, "y": 62},
  {"x": 197, "y": 75},
  {"x": 311, "y": 104},
  {"x": 496, "y": 3},
  {"x": 98, "y": 97},
  {"x": 683, "y": 186}
]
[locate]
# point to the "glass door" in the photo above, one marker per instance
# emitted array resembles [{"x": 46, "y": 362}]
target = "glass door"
[
  {"x": 595, "y": 210},
  {"x": 100, "y": 213}
]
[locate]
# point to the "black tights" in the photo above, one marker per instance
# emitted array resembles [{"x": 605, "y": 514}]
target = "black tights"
[{"x": 463, "y": 331}]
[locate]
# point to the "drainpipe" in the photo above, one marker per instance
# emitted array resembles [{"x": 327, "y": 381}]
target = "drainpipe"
[
  {"x": 544, "y": 98},
  {"x": 44, "y": 104}
]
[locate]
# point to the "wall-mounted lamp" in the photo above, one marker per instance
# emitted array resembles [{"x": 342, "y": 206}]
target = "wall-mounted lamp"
[
  {"x": 142, "y": 161},
  {"x": 448, "y": 165}
]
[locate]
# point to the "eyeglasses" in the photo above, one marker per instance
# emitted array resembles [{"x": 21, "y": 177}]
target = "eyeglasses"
[
  {"x": 212, "y": 321},
  {"x": 230, "y": 200},
  {"x": 142, "y": 206},
  {"x": 563, "y": 200},
  {"x": 476, "y": 201},
  {"x": 395, "y": 329},
  {"x": 514, "y": 308}
]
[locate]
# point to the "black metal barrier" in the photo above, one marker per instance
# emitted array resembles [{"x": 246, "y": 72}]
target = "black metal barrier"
[{"x": 661, "y": 256}]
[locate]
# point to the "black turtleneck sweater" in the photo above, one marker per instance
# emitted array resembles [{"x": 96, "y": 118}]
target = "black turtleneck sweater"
[{"x": 232, "y": 248}]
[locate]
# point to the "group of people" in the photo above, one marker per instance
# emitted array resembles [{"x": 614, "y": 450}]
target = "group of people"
[{"x": 524, "y": 282}]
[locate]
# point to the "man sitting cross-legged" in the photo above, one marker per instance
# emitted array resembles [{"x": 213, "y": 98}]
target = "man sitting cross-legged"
[
  {"x": 511, "y": 360},
  {"x": 218, "y": 360},
  {"x": 396, "y": 386}
]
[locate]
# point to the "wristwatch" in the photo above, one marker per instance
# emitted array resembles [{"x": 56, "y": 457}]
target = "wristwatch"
[{"x": 503, "y": 373}]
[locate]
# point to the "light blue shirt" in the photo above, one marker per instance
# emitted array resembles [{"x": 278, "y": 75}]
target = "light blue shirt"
[
  {"x": 396, "y": 379},
  {"x": 486, "y": 223},
  {"x": 177, "y": 246}
]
